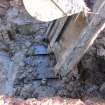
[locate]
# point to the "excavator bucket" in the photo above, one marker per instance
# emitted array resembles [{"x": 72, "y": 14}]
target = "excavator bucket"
[{"x": 49, "y": 10}]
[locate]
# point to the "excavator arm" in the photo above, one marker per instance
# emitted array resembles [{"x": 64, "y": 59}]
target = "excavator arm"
[{"x": 49, "y": 10}]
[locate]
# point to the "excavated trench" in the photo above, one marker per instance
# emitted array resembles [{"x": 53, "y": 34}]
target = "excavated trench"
[{"x": 26, "y": 66}]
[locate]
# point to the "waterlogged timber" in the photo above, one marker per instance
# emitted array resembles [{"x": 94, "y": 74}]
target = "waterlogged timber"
[{"x": 74, "y": 39}]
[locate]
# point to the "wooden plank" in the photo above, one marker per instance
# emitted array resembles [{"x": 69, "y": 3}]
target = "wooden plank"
[
  {"x": 88, "y": 35},
  {"x": 49, "y": 29},
  {"x": 50, "y": 32},
  {"x": 57, "y": 30}
]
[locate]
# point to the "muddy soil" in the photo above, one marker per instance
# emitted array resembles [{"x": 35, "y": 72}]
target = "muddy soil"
[{"x": 26, "y": 66}]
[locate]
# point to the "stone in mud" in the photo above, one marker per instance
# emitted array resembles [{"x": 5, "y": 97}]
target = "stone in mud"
[
  {"x": 3, "y": 47},
  {"x": 43, "y": 67},
  {"x": 27, "y": 91},
  {"x": 44, "y": 91},
  {"x": 25, "y": 75},
  {"x": 4, "y": 5},
  {"x": 38, "y": 49},
  {"x": 27, "y": 44},
  {"x": 63, "y": 93},
  {"x": 26, "y": 29},
  {"x": 102, "y": 89},
  {"x": 18, "y": 58},
  {"x": 12, "y": 13}
]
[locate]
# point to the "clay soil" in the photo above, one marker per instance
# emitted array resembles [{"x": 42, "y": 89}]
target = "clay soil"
[{"x": 26, "y": 67}]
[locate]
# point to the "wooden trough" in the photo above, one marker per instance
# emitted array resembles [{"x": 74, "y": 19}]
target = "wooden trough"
[{"x": 70, "y": 38}]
